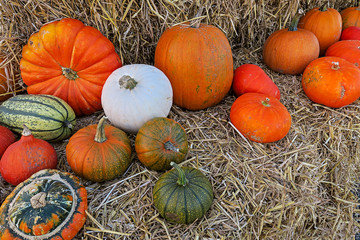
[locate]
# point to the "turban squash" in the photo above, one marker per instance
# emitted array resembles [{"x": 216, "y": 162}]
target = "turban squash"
[{"x": 49, "y": 205}]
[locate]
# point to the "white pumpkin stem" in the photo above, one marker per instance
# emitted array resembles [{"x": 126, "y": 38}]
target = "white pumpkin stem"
[
  {"x": 182, "y": 180},
  {"x": 127, "y": 82},
  {"x": 100, "y": 131},
  {"x": 26, "y": 131},
  {"x": 266, "y": 102},
  {"x": 335, "y": 66}
]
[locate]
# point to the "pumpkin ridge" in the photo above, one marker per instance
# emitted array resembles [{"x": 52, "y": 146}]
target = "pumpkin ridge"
[
  {"x": 205, "y": 190},
  {"x": 169, "y": 198},
  {"x": 85, "y": 69},
  {"x": 185, "y": 206},
  {"x": 163, "y": 181},
  {"x": 199, "y": 201}
]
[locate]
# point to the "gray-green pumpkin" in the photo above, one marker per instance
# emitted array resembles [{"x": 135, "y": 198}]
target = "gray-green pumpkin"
[{"x": 183, "y": 194}]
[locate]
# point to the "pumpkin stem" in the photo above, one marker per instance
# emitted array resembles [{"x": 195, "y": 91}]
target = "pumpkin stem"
[
  {"x": 323, "y": 8},
  {"x": 26, "y": 131},
  {"x": 38, "y": 200},
  {"x": 335, "y": 66},
  {"x": 68, "y": 124},
  {"x": 266, "y": 102},
  {"x": 170, "y": 146},
  {"x": 182, "y": 181},
  {"x": 196, "y": 21},
  {"x": 127, "y": 82},
  {"x": 294, "y": 23},
  {"x": 100, "y": 131},
  {"x": 69, "y": 73}
]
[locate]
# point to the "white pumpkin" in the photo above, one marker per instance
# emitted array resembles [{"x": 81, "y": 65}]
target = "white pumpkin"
[{"x": 134, "y": 94}]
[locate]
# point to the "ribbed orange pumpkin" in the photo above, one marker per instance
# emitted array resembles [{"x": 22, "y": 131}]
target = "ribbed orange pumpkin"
[
  {"x": 290, "y": 50},
  {"x": 99, "y": 153},
  {"x": 350, "y": 17},
  {"x": 346, "y": 49},
  {"x": 71, "y": 61},
  {"x": 159, "y": 142},
  {"x": 259, "y": 117},
  {"x": 7, "y": 137},
  {"x": 198, "y": 62},
  {"x": 325, "y": 23},
  {"x": 26, "y": 157},
  {"x": 331, "y": 81}
]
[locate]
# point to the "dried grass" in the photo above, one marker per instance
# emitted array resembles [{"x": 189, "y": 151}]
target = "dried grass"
[{"x": 300, "y": 187}]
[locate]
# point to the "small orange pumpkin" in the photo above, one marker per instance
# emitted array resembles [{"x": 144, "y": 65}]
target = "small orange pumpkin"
[
  {"x": 290, "y": 50},
  {"x": 259, "y": 117},
  {"x": 26, "y": 157},
  {"x": 159, "y": 142},
  {"x": 331, "y": 81},
  {"x": 350, "y": 17},
  {"x": 346, "y": 49},
  {"x": 325, "y": 23},
  {"x": 99, "y": 153}
]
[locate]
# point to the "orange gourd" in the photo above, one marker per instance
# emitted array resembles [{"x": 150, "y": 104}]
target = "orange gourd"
[
  {"x": 260, "y": 118},
  {"x": 290, "y": 50},
  {"x": 198, "y": 62},
  {"x": 99, "y": 152},
  {"x": 331, "y": 81},
  {"x": 26, "y": 157},
  {"x": 350, "y": 17},
  {"x": 71, "y": 61},
  {"x": 325, "y": 23}
]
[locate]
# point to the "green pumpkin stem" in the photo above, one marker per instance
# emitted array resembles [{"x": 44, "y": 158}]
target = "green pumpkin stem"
[
  {"x": 69, "y": 73},
  {"x": 294, "y": 23},
  {"x": 323, "y": 8},
  {"x": 100, "y": 131},
  {"x": 182, "y": 181},
  {"x": 127, "y": 82}
]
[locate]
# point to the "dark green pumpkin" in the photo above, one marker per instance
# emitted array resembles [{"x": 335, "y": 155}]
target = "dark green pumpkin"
[
  {"x": 182, "y": 194},
  {"x": 48, "y": 205}
]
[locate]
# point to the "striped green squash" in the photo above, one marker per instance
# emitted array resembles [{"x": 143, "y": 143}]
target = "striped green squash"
[
  {"x": 182, "y": 195},
  {"x": 48, "y": 117}
]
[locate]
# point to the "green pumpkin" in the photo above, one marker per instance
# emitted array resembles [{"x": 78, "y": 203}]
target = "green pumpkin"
[{"x": 182, "y": 194}]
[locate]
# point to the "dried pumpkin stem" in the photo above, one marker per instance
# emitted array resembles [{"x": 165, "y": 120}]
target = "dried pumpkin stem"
[
  {"x": 266, "y": 102},
  {"x": 196, "y": 22},
  {"x": 39, "y": 200},
  {"x": 69, "y": 73},
  {"x": 335, "y": 66},
  {"x": 127, "y": 82},
  {"x": 170, "y": 146},
  {"x": 100, "y": 131},
  {"x": 294, "y": 23},
  {"x": 182, "y": 180},
  {"x": 26, "y": 131}
]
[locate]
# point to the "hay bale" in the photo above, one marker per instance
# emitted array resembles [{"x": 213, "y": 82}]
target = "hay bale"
[{"x": 297, "y": 188}]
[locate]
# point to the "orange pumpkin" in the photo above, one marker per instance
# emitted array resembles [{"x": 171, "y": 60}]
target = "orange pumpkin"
[
  {"x": 7, "y": 137},
  {"x": 350, "y": 33},
  {"x": 71, "y": 61},
  {"x": 290, "y": 50},
  {"x": 350, "y": 17},
  {"x": 198, "y": 62},
  {"x": 325, "y": 23},
  {"x": 99, "y": 153},
  {"x": 6, "y": 84},
  {"x": 346, "y": 49},
  {"x": 159, "y": 142},
  {"x": 259, "y": 117},
  {"x": 331, "y": 81},
  {"x": 26, "y": 157}
]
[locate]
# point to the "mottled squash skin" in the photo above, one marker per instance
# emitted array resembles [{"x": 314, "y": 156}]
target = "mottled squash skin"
[
  {"x": 183, "y": 195},
  {"x": 49, "y": 205}
]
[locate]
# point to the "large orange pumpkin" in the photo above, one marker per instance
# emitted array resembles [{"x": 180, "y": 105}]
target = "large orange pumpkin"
[
  {"x": 290, "y": 50},
  {"x": 99, "y": 152},
  {"x": 325, "y": 23},
  {"x": 350, "y": 17},
  {"x": 259, "y": 117},
  {"x": 69, "y": 60},
  {"x": 198, "y": 62},
  {"x": 346, "y": 49},
  {"x": 331, "y": 81}
]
